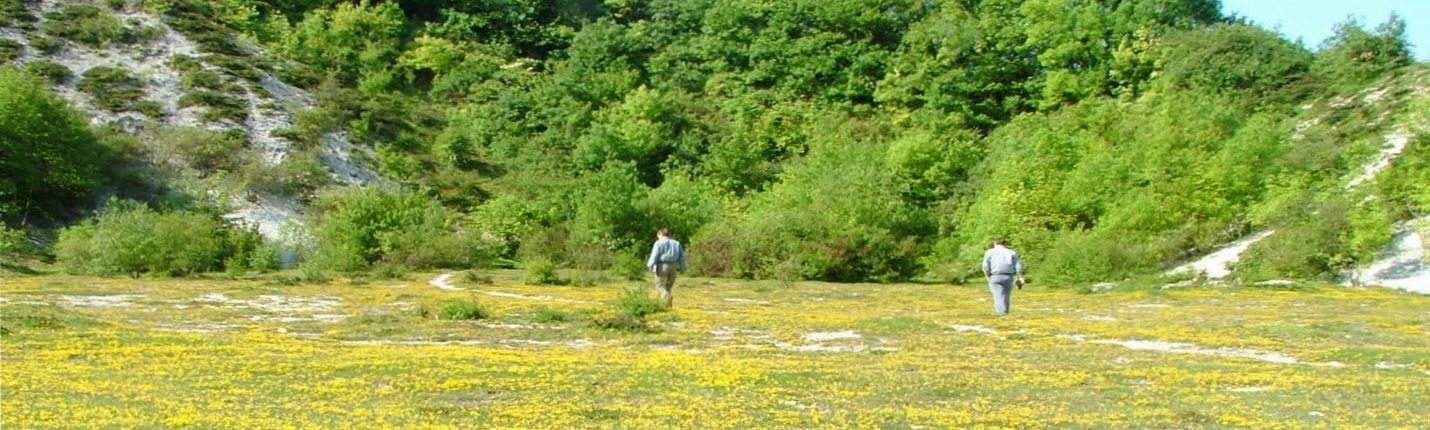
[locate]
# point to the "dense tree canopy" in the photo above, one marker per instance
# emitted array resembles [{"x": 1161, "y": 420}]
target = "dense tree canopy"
[{"x": 841, "y": 140}]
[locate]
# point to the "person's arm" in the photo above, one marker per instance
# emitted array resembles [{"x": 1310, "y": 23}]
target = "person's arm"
[
  {"x": 1018, "y": 268},
  {"x": 654, "y": 252},
  {"x": 681, "y": 250},
  {"x": 987, "y": 264}
]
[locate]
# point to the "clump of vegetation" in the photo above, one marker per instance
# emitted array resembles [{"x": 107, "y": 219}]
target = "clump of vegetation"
[
  {"x": 52, "y": 72},
  {"x": 14, "y": 13},
  {"x": 13, "y": 244},
  {"x": 464, "y": 310},
  {"x": 201, "y": 149},
  {"x": 629, "y": 312},
  {"x": 541, "y": 272},
  {"x": 476, "y": 277},
  {"x": 355, "y": 229},
  {"x": 548, "y": 315},
  {"x": 9, "y": 50},
  {"x": 130, "y": 238},
  {"x": 45, "y": 44},
  {"x": 52, "y": 161},
  {"x": 86, "y": 24},
  {"x": 637, "y": 302},
  {"x": 116, "y": 90},
  {"x": 221, "y": 107}
]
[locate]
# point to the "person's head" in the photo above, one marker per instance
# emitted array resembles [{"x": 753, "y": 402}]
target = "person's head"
[
  {"x": 662, "y": 233},
  {"x": 1000, "y": 241}
]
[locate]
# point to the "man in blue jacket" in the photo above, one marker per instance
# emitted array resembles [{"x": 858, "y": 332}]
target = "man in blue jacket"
[
  {"x": 1002, "y": 268},
  {"x": 667, "y": 258}
]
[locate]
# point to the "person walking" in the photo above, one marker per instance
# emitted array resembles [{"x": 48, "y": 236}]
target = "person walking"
[
  {"x": 1003, "y": 269},
  {"x": 667, "y": 258}
]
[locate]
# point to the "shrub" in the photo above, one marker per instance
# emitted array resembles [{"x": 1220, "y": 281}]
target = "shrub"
[
  {"x": 87, "y": 24},
  {"x": 13, "y": 243},
  {"x": 220, "y": 106},
  {"x": 46, "y": 45},
  {"x": 464, "y": 310},
  {"x": 55, "y": 73},
  {"x": 630, "y": 268},
  {"x": 9, "y": 50},
  {"x": 113, "y": 89},
  {"x": 199, "y": 148},
  {"x": 541, "y": 272},
  {"x": 636, "y": 302},
  {"x": 356, "y": 228},
  {"x": 129, "y": 238},
  {"x": 299, "y": 174},
  {"x": 476, "y": 277},
  {"x": 13, "y": 12},
  {"x": 621, "y": 322},
  {"x": 48, "y": 155},
  {"x": 548, "y": 315}
]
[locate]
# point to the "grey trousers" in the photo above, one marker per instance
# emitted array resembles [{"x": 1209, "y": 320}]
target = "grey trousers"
[
  {"x": 1002, "y": 288},
  {"x": 665, "y": 281}
]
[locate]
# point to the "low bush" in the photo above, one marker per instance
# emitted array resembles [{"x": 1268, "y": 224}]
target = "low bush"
[
  {"x": 199, "y": 148},
  {"x": 220, "y": 106},
  {"x": 620, "y": 322},
  {"x": 630, "y": 268},
  {"x": 13, "y": 12},
  {"x": 46, "y": 45},
  {"x": 464, "y": 310},
  {"x": 13, "y": 243},
  {"x": 541, "y": 272},
  {"x": 86, "y": 24},
  {"x": 116, "y": 90},
  {"x": 357, "y": 228},
  {"x": 9, "y": 50},
  {"x": 299, "y": 174},
  {"x": 548, "y": 315},
  {"x": 637, "y": 302},
  {"x": 54, "y": 73},
  {"x": 130, "y": 238},
  {"x": 476, "y": 277}
]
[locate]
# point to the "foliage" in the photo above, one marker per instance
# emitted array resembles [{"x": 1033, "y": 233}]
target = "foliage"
[
  {"x": 637, "y": 302},
  {"x": 87, "y": 24},
  {"x": 356, "y": 228},
  {"x": 117, "y": 90},
  {"x": 13, "y": 243},
  {"x": 9, "y": 50},
  {"x": 1353, "y": 55},
  {"x": 130, "y": 238},
  {"x": 54, "y": 73},
  {"x": 846, "y": 140},
  {"x": 549, "y": 315},
  {"x": 49, "y": 159},
  {"x": 464, "y": 310},
  {"x": 541, "y": 272}
]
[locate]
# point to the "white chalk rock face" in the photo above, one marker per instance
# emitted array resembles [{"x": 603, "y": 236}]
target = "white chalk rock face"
[{"x": 1403, "y": 266}]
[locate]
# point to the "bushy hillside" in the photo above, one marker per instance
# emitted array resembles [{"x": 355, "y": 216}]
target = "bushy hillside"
[{"x": 846, "y": 140}]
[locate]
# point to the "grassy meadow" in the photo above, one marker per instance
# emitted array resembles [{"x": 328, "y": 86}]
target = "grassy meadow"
[{"x": 269, "y": 353}]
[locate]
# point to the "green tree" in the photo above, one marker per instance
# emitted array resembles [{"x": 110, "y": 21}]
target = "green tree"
[{"x": 49, "y": 160}]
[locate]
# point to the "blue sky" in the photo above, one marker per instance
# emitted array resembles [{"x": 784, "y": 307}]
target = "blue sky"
[{"x": 1313, "y": 20}]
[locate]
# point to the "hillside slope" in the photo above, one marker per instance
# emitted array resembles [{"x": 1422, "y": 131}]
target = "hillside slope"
[{"x": 172, "y": 82}]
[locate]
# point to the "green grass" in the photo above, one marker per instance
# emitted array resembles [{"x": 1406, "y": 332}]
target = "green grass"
[{"x": 330, "y": 353}]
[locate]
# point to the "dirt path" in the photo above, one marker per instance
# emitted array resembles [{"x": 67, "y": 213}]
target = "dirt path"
[{"x": 444, "y": 282}]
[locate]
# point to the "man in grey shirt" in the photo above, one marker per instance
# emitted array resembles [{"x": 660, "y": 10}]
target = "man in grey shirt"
[
  {"x": 667, "y": 258},
  {"x": 1000, "y": 266}
]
